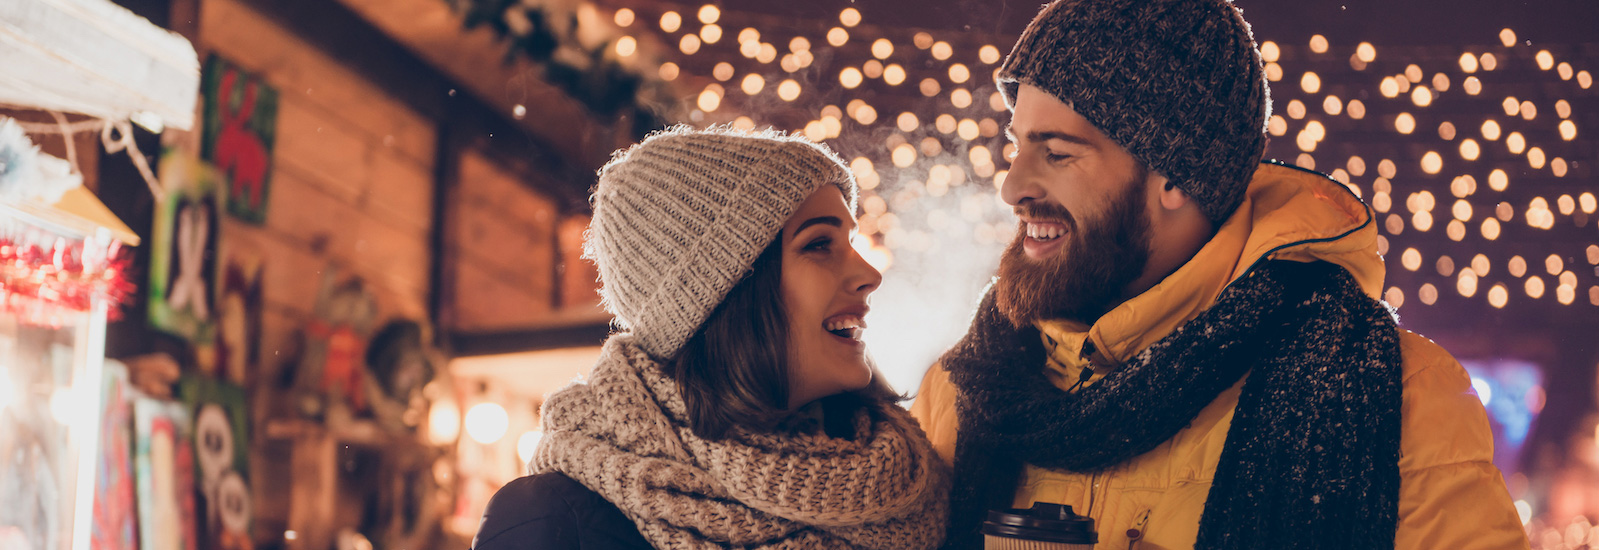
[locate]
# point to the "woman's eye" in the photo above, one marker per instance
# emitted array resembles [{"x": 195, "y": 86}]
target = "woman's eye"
[{"x": 818, "y": 245}]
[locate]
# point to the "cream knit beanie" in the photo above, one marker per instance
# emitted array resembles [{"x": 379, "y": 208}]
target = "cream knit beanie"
[{"x": 680, "y": 217}]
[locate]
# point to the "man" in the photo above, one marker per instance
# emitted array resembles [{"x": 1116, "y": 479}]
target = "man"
[{"x": 1184, "y": 344}]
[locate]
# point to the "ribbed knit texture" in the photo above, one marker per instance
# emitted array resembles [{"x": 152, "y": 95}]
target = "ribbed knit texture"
[
  {"x": 680, "y": 217},
  {"x": 1178, "y": 83},
  {"x": 623, "y": 435},
  {"x": 1311, "y": 460}
]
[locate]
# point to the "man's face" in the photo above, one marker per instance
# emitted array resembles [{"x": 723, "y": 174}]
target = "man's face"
[{"x": 1083, "y": 201}]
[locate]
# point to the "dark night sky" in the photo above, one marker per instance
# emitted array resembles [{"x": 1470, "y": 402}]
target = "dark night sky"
[{"x": 1391, "y": 22}]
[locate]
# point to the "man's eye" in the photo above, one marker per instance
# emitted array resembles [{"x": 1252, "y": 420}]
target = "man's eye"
[{"x": 1056, "y": 157}]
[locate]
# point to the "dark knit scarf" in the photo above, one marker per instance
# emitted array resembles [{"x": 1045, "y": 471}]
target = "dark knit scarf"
[{"x": 1311, "y": 460}]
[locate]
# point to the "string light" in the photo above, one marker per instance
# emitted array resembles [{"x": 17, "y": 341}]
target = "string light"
[
  {"x": 958, "y": 73},
  {"x": 1517, "y": 266},
  {"x": 837, "y": 36},
  {"x": 850, "y": 77},
  {"x": 850, "y": 17},
  {"x": 623, "y": 17},
  {"x": 1405, "y": 123},
  {"x": 1356, "y": 109},
  {"x": 710, "y": 34},
  {"x": 1472, "y": 85},
  {"x": 1366, "y": 52},
  {"x": 1490, "y": 130},
  {"x": 941, "y": 50},
  {"x": 894, "y": 74},
  {"x": 788, "y": 90},
  {"x": 1318, "y": 44},
  {"x": 753, "y": 84},
  {"x": 1545, "y": 60},
  {"x": 907, "y": 122},
  {"x": 1468, "y": 63},
  {"x": 882, "y": 48},
  {"x": 1310, "y": 83},
  {"x": 988, "y": 54},
  {"x": 723, "y": 71},
  {"x": 961, "y": 99},
  {"x": 668, "y": 71},
  {"x": 625, "y": 46},
  {"x": 671, "y": 21}
]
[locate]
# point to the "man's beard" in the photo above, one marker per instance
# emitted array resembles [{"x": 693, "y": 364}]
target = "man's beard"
[{"x": 1085, "y": 279}]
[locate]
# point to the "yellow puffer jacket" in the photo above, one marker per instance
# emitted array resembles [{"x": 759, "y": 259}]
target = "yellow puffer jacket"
[{"x": 1451, "y": 495}]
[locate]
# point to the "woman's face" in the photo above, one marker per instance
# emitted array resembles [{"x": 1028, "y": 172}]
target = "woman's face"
[{"x": 825, "y": 285}]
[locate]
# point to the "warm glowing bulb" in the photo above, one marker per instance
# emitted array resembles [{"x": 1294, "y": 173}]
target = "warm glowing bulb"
[
  {"x": 1310, "y": 82},
  {"x": 624, "y": 17},
  {"x": 671, "y": 21},
  {"x": 788, "y": 90},
  {"x": 893, "y": 74},
  {"x": 1507, "y": 37},
  {"x": 1468, "y": 63},
  {"x": 1365, "y": 52},
  {"x": 1269, "y": 51},
  {"x": 958, "y": 73},
  {"x": 907, "y": 122},
  {"x": 1405, "y": 123},
  {"x": 850, "y": 77},
  {"x": 527, "y": 444},
  {"x": 753, "y": 84},
  {"x": 941, "y": 50},
  {"x": 1469, "y": 149},
  {"x": 882, "y": 48},
  {"x": 625, "y": 46},
  {"x": 1545, "y": 60},
  {"x": 904, "y": 155},
  {"x": 668, "y": 71},
  {"x": 486, "y": 423},
  {"x": 1318, "y": 44},
  {"x": 849, "y": 17},
  {"x": 837, "y": 36},
  {"x": 709, "y": 100},
  {"x": 1421, "y": 96},
  {"x": 988, "y": 54},
  {"x": 1516, "y": 142},
  {"x": 1498, "y": 295},
  {"x": 1490, "y": 130}
]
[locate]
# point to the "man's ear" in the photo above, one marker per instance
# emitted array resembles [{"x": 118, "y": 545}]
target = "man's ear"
[{"x": 1171, "y": 198}]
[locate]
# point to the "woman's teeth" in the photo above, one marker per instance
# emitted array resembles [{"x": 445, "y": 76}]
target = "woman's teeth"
[
  {"x": 1045, "y": 231},
  {"x": 848, "y": 326}
]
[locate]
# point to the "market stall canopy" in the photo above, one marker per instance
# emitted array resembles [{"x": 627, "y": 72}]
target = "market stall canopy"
[{"x": 96, "y": 58}]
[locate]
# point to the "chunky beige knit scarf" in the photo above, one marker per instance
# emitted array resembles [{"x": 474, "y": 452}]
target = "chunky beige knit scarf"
[{"x": 622, "y": 434}]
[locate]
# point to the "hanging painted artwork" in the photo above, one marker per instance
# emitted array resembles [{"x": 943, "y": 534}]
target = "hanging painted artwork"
[
  {"x": 222, "y": 467},
  {"x": 163, "y": 461},
  {"x": 183, "y": 259},
  {"x": 241, "y": 114},
  {"x": 331, "y": 373},
  {"x": 239, "y": 311},
  {"x": 114, "y": 514}
]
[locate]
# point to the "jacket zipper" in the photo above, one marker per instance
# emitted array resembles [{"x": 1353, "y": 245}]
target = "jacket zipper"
[{"x": 1136, "y": 533}]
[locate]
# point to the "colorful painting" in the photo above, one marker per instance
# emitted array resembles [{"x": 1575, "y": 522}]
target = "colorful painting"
[
  {"x": 239, "y": 308},
  {"x": 183, "y": 259},
  {"x": 332, "y": 369},
  {"x": 163, "y": 462},
  {"x": 241, "y": 114},
  {"x": 114, "y": 514},
  {"x": 222, "y": 467}
]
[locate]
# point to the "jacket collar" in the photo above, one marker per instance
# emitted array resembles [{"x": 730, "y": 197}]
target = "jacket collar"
[{"x": 1287, "y": 213}]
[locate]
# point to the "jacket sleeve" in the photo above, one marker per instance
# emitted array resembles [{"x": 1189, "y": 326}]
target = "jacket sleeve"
[
  {"x": 1450, "y": 493},
  {"x": 552, "y": 512},
  {"x": 934, "y": 408}
]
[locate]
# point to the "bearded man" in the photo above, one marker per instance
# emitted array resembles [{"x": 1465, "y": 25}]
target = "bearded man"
[{"x": 1183, "y": 343}]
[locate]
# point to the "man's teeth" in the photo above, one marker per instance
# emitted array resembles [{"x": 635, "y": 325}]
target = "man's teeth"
[{"x": 1045, "y": 231}]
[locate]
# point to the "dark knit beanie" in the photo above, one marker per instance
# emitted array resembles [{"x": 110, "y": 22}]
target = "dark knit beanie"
[{"x": 1178, "y": 83}]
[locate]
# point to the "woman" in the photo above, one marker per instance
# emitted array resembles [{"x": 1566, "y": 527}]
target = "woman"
[{"x": 737, "y": 407}]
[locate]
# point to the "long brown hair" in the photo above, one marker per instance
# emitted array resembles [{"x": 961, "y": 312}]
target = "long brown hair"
[{"x": 734, "y": 370}]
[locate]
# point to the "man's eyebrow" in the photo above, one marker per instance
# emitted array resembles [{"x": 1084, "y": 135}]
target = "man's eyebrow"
[{"x": 1046, "y": 135}]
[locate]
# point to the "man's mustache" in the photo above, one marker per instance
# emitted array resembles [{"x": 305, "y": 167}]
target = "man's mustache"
[{"x": 1038, "y": 210}]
